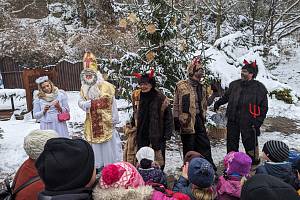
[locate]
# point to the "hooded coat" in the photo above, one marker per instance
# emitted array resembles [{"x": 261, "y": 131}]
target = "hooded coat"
[
  {"x": 77, "y": 194},
  {"x": 282, "y": 170},
  {"x": 26, "y": 172},
  {"x": 267, "y": 187}
]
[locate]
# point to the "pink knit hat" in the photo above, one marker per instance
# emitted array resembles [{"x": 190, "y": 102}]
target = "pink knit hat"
[
  {"x": 237, "y": 162},
  {"x": 120, "y": 174}
]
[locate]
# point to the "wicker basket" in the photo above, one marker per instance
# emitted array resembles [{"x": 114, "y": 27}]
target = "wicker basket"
[{"x": 217, "y": 133}]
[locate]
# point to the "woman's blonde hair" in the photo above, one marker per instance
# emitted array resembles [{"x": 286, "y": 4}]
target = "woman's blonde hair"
[{"x": 41, "y": 93}]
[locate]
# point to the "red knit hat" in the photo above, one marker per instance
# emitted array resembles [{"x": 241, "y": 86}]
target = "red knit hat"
[{"x": 120, "y": 174}]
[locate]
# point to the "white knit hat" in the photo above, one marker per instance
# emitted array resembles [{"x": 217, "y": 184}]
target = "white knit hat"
[
  {"x": 34, "y": 142},
  {"x": 145, "y": 153}
]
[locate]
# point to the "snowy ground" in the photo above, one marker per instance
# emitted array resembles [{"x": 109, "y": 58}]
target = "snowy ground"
[
  {"x": 289, "y": 72},
  {"x": 11, "y": 139}
]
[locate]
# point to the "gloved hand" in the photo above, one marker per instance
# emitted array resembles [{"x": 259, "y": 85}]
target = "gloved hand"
[
  {"x": 214, "y": 88},
  {"x": 216, "y": 107},
  {"x": 177, "y": 124},
  {"x": 87, "y": 105},
  {"x": 256, "y": 123}
]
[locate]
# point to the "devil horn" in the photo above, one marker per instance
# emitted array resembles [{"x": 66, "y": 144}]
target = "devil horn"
[
  {"x": 254, "y": 64},
  {"x": 137, "y": 75},
  {"x": 151, "y": 75},
  {"x": 245, "y": 62}
]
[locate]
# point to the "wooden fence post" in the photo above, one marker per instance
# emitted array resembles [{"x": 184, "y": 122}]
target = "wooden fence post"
[{"x": 29, "y": 77}]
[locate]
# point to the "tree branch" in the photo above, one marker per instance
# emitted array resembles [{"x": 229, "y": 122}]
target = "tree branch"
[{"x": 17, "y": 11}]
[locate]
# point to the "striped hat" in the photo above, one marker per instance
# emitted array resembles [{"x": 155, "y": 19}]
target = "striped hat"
[{"x": 276, "y": 151}]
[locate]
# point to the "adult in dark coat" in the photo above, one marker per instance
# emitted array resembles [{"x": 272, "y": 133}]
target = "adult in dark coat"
[
  {"x": 153, "y": 116},
  {"x": 247, "y": 108}
]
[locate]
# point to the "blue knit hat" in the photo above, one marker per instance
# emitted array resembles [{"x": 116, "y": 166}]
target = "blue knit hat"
[{"x": 201, "y": 173}]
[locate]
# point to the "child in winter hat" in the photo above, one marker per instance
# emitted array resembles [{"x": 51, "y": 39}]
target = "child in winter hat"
[
  {"x": 148, "y": 169},
  {"x": 199, "y": 181},
  {"x": 67, "y": 167},
  {"x": 190, "y": 155},
  {"x": 35, "y": 141},
  {"x": 145, "y": 153},
  {"x": 121, "y": 180},
  {"x": 275, "y": 154},
  {"x": 34, "y": 144},
  {"x": 275, "y": 151},
  {"x": 120, "y": 174},
  {"x": 237, "y": 166},
  {"x": 201, "y": 173}
]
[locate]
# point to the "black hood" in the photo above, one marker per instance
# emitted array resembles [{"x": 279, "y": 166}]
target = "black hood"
[
  {"x": 266, "y": 187},
  {"x": 78, "y": 194}
]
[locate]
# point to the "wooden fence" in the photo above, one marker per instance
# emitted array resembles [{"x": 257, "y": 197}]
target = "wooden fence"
[
  {"x": 68, "y": 74},
  {"x": 11, "y": 73}
]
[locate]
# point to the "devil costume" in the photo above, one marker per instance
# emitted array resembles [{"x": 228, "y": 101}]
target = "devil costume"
[
  {"x": 247, "y": 108},
  {"x": 152, "y": 119}
]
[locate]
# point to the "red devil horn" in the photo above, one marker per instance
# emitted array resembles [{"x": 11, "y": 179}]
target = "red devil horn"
[
  {"x": 137, "y": 75},
  {"x": 151, "y": 75},
  {"x": 245, "y": 62},
  {"x": 254, "y": 64},
  {"x": 196, "y": 60}
]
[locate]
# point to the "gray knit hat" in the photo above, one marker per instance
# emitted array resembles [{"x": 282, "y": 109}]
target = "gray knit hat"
[
  {"x": 277, "y": 151},
  {"x": 34, "y": 142}
]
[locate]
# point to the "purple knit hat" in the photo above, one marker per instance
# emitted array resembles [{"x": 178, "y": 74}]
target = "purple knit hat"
[{"x": 237, "y": 162}]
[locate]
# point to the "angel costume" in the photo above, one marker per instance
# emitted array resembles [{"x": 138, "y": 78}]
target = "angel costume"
[
  {"x": 97, "y": 99},
  {"x": 49, "y": 119}
]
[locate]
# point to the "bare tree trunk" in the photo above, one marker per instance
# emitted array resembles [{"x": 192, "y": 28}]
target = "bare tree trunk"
[
  {"x": 105, "y": 11},
  {"x": 82, "y": 12},
  {"x": 219, "y": 20},
  {"x": 253, "y": 10},
  {"x": 268, "y": 29}
]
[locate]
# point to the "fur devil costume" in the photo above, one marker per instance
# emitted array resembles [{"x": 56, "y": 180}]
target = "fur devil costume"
[{"x": 152, "y": 119}]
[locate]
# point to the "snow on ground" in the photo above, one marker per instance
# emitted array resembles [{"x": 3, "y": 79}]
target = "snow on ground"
[
  {"x": 12, "y": 153},
  {"x": 17, "y": 95},
  {"x": 289, "y": 72}
]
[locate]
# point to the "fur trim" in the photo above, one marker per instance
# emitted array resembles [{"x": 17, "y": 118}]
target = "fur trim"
[
  {"x": 41, "y": 79},
  {"x": 140, "y": 193}
]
